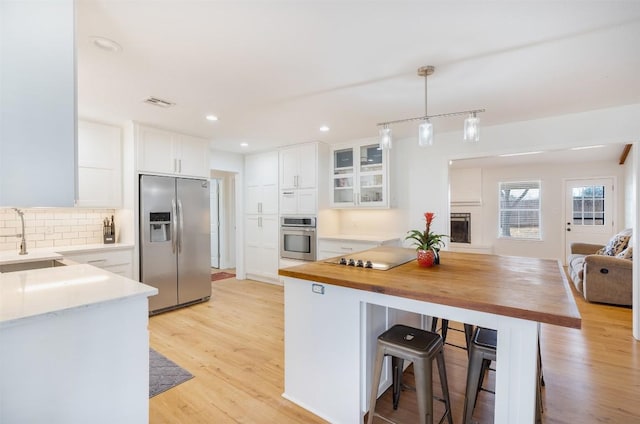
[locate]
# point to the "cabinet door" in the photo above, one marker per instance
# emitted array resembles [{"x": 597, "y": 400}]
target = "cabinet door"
[
  {"x": 307, "y": 203},
  {"x": 261, "y": 246},
  {"x": 253, "y": 244},
  {"x": 289, "y": 165},
  {"x": 288, "y": 202},
  {"x": 116, "y": 261},
  {"x": 343, "y": 179},
  {"x": 360, "y": 174},
  {"x": 156, "y": 151},
  {"x": 270, "y": 246},
  {"x": 269, "y": 198},
  {"x": 308, "y": 166},
  {"x": 193, "y": 156},
  {"x": 371, "y": 181},
  {"x": 99, "y": 165},
  {"x": 261, "y": 186},
  {"x": 38, "y": 97}
]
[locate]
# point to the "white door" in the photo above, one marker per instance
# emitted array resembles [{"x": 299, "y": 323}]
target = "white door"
[
  {"x": 589, "y": 211},
  {"x": 215, "y": 222}
]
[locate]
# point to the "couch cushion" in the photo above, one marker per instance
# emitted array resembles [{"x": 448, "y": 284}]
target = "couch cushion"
[
  {"x": 576, "y": 267},
  {"x": 616, "y": 245},
  {"x": 626, "y": 253}
]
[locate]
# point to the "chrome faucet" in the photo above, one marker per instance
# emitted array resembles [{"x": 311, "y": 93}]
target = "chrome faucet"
[{"x": 23, "y": 242}]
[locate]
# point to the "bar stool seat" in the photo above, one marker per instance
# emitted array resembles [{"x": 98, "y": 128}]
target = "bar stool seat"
[{"x": 420, "y": 347}]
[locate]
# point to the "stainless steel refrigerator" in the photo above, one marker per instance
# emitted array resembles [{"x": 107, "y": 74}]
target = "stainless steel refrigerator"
[{"x": 175, "y": 247}]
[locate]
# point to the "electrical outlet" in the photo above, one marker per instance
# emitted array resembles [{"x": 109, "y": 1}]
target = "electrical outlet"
[{"x": 317, "y": 288}]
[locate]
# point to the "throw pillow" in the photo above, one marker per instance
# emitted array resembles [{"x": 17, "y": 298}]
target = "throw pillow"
[
  {"x": 617, "y": 244},
  {"x": 626, "y": 253}
]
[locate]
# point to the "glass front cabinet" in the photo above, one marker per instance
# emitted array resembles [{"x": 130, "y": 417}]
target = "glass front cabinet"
[{"x": 359, "y": 177}]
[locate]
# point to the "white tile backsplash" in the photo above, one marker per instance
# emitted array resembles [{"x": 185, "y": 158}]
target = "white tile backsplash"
[{"x": 53, "y": 227}]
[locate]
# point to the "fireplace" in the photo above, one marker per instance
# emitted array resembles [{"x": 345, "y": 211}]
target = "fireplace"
[{"x": 461, "y": 228}]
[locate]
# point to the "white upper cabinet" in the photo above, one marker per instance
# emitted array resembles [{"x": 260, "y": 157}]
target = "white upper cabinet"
[
  {"x": 298, "y": 167},
  {"x": 261, "y": 183},
  {"x": 166, "y": 152},
  {"x": 299, "y": 179},
  {"x": 99, "y": 165},
  {"x": 360, "y": 176},
  {"x": 37, "y": 104},
  {"x": 193, "y": 156}
]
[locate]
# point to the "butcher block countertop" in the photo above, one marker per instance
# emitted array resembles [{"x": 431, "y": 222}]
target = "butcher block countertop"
[{"x": 527, "y": 288}]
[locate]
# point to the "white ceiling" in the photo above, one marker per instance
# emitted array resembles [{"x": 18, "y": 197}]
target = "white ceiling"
[{"x": 275, "y": 71}]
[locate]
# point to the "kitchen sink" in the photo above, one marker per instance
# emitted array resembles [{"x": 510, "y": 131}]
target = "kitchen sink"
[{"x": 24, "y": 266}]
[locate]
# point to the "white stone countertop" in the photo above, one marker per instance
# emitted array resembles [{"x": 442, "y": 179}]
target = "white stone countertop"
[
  {"x": 53, "y": 253},
  {"x": 351, "y": 237},
  {"x": 28, "y": 295}
]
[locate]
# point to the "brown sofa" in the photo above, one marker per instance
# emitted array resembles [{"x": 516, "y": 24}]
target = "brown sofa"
[{"x": 599, "y": 277}]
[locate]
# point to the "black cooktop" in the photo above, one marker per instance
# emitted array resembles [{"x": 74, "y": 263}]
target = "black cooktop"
[{"x": 381, "y": 258}]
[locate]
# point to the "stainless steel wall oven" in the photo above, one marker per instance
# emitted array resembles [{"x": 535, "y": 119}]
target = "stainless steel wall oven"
[{"x": 298, "y": 238}]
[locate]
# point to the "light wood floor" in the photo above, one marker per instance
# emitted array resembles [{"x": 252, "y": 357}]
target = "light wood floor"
[{"x": 233, "y": 345}]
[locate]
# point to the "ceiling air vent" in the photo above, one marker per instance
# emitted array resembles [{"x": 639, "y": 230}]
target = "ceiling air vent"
[{"x": 158, "y": 102}]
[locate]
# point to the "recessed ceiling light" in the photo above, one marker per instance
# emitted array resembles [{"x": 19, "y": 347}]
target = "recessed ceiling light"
[
  {"x": 244, "y": 144},
  {"x": 324, "y": 128},
  {"x": 106, "y": 44},
  {"x": 211, "y": 118},
  {"x": 519, "y": 154}
]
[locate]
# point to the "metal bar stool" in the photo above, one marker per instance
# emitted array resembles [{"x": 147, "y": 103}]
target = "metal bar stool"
[
  {"x": 420, "y": 347},
  {"x": 444, "y": 329},
  {"x": 482, "y": 351}
]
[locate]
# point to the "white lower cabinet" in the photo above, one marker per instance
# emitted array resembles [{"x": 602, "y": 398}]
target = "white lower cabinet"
[
  {"x": 261, "y": 247},
  {"x": 116, "y": 261}
]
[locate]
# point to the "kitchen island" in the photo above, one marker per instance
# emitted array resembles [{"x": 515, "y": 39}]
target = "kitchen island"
[
  {"x": 74, "y": 346},
  {"x": 334, "y": 313}
]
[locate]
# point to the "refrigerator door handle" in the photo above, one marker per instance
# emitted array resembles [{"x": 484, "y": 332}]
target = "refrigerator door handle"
[
  {"x": 181, "y": 228},
  {"x": 174, "y": 224}
]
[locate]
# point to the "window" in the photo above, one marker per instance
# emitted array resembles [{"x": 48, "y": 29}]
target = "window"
[
  {"x": 519, "y": 210},
  {"x": 588, "y": 205}
]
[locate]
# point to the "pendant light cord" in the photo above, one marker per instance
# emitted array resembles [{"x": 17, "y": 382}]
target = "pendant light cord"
[{"x": 426, "y": 110}]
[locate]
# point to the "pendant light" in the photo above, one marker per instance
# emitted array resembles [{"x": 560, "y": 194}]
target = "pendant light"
[
  {"x": 425, "y": 129},
  {"x": 425, "y": 134},
  {"x": 385, "y": 138},
  {"x": 472, "y": 128}
]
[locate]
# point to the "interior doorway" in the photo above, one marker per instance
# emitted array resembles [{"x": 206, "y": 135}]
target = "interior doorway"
[{"x": 223, "y": 222}]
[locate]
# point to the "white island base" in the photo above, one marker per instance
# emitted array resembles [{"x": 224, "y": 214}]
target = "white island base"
[{"x": 74, "y": 347}]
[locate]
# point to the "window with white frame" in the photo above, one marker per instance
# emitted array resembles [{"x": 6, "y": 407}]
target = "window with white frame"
[{"x": 519, "y": 210}]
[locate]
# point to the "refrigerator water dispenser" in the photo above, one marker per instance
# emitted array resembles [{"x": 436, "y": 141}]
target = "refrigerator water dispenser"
[{"x": 160, "y": 226}]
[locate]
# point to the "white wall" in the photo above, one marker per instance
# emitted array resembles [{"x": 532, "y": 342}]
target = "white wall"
[
  {"x": 226, "y": 161},
  {"x": 634, "y": 222},
  {"x": 552, "y": 177},
  {"x": 54, "y": 227},
  {"x": 630, "y": 173}
]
